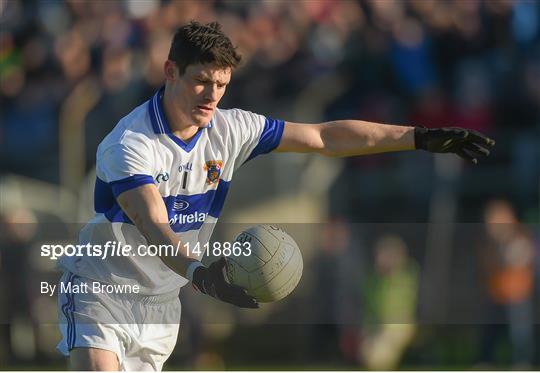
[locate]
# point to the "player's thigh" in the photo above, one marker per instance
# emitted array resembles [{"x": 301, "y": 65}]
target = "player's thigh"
[{"x": 93, "y": 359}]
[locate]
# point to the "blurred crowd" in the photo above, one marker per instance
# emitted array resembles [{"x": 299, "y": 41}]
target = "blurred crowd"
[
  {"x": 69, "y": 70},
  {"x": 470, "y": 63}
]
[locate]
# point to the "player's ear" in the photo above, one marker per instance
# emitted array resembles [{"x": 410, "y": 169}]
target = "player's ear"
[{"x": 170, "y": 70}]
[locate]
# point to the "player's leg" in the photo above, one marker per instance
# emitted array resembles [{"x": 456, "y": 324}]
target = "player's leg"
[
  {"x": 93, "y": 359},
  {"x": 157, "y": 333},
  {"x": 92, "y": 338},
  {"x": 117, "y": 331}
]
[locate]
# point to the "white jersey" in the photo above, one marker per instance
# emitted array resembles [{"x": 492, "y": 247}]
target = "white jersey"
[{"x": 193, "y": 178}]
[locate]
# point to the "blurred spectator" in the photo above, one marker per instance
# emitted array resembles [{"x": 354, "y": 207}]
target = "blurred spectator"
[
  {"x": 507, "y": 259},
  {"x": 17, "y": 233},
  {"x": 390, "y": 300},
  {"x": 121, "y": 91},
  {"x": 335, "y": 291}
]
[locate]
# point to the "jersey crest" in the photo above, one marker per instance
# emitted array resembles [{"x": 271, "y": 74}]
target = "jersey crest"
[{"x": 213, "y": 171}]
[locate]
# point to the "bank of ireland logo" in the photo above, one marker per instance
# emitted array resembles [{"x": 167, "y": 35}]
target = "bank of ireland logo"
[
  {"x": 163, "y": 176},
  {"x": 213, "y": 171},
  {"x": 180, "y": 205}
]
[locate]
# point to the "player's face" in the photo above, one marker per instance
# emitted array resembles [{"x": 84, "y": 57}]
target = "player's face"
[{"x": 197, "y": 92}]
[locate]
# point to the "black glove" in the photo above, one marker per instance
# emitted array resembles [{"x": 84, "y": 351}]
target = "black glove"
[
  {"x": 468, "y": 144},
  {"x": 211, "y": 281}
]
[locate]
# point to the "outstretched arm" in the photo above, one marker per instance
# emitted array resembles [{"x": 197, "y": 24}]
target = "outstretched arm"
[{"x": 345, "y": 138}]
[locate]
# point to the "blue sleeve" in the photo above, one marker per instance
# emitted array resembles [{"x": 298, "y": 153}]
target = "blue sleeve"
[
  {"x": 270, "y": 137},
  {"x": 120, "y": 186}
]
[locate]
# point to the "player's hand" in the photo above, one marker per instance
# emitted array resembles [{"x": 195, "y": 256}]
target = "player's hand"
[
  {"x": 211, "y": 281},
  {"x": 468, "y": 144}
]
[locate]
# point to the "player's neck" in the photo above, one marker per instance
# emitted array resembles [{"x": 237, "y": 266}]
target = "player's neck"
[{"x": 179, "y": 127}]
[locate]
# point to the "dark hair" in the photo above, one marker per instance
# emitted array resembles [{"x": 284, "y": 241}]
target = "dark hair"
[{"x": 196, "y": 43}]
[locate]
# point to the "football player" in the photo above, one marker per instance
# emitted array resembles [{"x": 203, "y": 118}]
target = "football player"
[{"x": 163, "y": 174}]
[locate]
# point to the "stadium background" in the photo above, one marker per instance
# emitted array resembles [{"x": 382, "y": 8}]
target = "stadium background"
[{"x": 69, "y": 70}]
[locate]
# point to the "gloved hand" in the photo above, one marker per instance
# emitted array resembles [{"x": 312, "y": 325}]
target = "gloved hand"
[
  {"x": 211, "y": 281},
  {"x": 468, "y": 144}
]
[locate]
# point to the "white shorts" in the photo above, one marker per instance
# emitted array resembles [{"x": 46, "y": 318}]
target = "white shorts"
[{"x": 141, "y": 330}]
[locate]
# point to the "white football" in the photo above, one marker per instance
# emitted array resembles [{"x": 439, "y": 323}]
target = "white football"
[{"x": 273, "y": 268}]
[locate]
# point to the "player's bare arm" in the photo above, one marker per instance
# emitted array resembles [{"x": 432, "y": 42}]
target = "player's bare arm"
[
  {"x": 145, "y": 207},
  {"x": 345, "y": 138}
]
